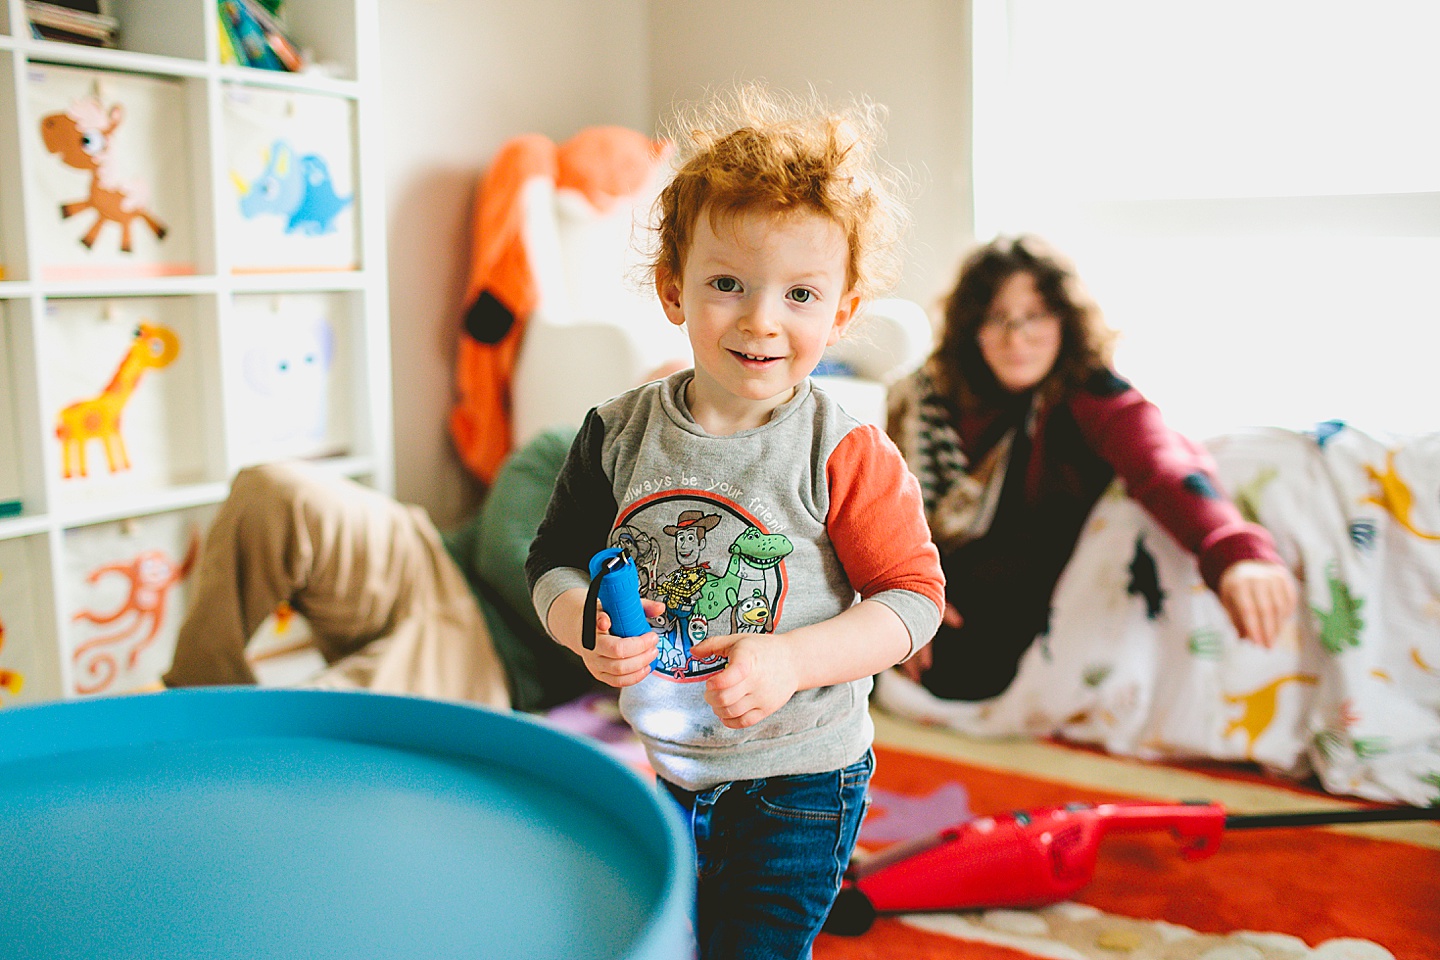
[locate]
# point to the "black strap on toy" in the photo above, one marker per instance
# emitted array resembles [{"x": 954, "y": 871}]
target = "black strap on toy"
[{"x": 592, "y": 598}]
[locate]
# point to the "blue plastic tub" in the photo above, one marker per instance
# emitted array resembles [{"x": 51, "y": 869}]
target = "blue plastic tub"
[{"x": 246, "y": 823}]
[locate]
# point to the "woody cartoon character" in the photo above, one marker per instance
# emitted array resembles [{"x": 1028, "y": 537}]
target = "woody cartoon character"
[{"x": 681, "y": 627}]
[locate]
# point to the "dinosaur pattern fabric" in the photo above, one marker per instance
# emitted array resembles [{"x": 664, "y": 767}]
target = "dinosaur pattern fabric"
[
  {"x": 1150, "y": 666},
  {"x": 766, "y": 530}
]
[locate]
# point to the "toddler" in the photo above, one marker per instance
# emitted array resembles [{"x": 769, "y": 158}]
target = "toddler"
[{"x": 782, "y": 546}]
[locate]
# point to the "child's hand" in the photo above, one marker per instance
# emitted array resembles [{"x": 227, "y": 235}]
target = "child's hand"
[
  {"x": 1259, "y": 597},
  {"x": 759, "y": 679},
  {"x": 615, "y": 661}
]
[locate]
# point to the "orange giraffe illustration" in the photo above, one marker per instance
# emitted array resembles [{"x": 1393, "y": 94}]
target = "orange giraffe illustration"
[
  {"x": 151, "y": 574},
  {"x": 9, "y": 679},
  {"x": 1258, "y": 708},
  {"x": 82, "y": 137},
  {"x": 99, "y": 417},
  {"x": 1395, "y": 496}
]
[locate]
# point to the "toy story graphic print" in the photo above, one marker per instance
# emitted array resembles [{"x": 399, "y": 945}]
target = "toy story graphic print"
[{"x": 714, "y": 567}]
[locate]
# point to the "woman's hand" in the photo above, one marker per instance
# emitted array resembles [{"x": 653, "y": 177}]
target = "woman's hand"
[
  {"x": 1259, "y": 596},
  {"x": 924, "y": 658}
]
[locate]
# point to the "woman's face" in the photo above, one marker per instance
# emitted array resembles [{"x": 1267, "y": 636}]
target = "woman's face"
[{"x": 1019, "y": 337}]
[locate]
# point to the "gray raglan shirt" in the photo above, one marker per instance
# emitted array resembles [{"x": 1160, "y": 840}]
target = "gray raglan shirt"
[{"x": 770, "y": 529}]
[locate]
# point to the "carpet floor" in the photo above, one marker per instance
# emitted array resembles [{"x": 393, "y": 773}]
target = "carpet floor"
[{"x": 1355, "y": 892}]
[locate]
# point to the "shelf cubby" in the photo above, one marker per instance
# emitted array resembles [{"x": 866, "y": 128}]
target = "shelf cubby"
[{"x": 278, "y": 315}]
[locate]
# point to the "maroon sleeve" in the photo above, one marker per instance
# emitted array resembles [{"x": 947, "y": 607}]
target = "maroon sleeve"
[{"x": 1169, "y": 475}]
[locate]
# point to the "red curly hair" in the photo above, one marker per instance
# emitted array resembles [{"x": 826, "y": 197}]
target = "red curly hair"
[{"x": 755, "y": 149}]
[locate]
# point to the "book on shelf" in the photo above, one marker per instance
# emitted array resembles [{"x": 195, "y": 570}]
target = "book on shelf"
[
  {"x": 276, "y": 35},
  {"x": 73, "y": 21},
  {"x": 82, "y": 6},
  {"x": 254, "y": 38}
]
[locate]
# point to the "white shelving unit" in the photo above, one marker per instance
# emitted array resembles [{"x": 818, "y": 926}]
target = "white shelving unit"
[{"x": 248, "y": 312}]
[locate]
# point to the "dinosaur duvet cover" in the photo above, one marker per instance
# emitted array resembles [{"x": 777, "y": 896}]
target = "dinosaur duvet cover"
[{"x": 1140, "y": 658}]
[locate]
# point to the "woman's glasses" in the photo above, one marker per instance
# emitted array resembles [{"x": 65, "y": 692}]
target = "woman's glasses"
[{"x": 1031, "y": 326}]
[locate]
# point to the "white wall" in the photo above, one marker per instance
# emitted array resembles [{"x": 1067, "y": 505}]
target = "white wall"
[
  {"x": 1265, "y": 237},
  {"x": 462, "y": 76},
  {"x": 912, "y": 56}
]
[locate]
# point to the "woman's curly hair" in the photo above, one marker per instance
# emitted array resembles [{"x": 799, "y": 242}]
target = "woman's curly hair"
[
  {"x": 756, "y": 149},
  {"x": 1087, "y": 342}
]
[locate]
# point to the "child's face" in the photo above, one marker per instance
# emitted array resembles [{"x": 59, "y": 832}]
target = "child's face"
[{"x": 761, "y": 297}]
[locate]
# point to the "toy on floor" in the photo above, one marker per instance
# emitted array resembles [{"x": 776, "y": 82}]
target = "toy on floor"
[{"x": 1031, "y": 858}]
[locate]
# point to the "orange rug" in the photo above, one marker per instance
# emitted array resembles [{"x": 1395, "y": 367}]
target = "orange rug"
[
  {"x": 1362, "y": 892},
  {"x": 1310, "y": 893}
]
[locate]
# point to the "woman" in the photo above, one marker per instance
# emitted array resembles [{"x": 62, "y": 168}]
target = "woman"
[{"x": 1015, "y": 426}]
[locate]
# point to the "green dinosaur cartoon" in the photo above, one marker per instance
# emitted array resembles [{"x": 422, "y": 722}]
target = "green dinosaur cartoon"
[
  {"x": 1433, "y": 779},
  {"x": 752, "y": 555},
  {"x": 1330, "y": 742},
  {"x": 1247, "y": 496},
  {"x": 1206, "y": 644},
  {"x": 1340, "y": 628}
]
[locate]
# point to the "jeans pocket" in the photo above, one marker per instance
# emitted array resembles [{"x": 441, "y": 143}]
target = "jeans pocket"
[{"x": 828, "y": 797}]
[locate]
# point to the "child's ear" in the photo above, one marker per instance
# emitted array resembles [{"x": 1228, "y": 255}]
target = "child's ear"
[
  {"x": 667, "y": 287},
  {"x": 847, "y": 311}
]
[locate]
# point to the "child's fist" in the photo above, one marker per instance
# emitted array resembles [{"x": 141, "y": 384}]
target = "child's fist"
[{"x": 622, "y": 661}]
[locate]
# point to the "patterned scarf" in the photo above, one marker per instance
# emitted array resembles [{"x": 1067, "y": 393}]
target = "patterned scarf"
[{"x": 960, "y": 499}]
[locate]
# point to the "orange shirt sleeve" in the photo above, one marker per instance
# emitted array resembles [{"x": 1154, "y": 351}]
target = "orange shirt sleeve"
[{"x": 877, "y": 519}]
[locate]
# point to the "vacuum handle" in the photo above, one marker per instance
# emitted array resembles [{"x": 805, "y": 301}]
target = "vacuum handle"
[{"x": 1198, "y": 825}]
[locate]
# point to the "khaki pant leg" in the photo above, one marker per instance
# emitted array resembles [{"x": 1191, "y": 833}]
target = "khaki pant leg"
[
  {"x": 439, "y": 645},
  {"x": 358, "y": 565},
  {"x": 243, "y": 573}
]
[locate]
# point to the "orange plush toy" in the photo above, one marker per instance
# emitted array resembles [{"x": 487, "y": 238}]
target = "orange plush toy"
[{"x": 604, "y": 165}]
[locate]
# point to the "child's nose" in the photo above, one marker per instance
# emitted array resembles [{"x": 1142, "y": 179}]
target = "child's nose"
[{"x": 762, "y": 319}]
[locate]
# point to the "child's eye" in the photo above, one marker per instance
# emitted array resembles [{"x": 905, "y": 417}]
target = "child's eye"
[
  {"x": 801, "y": 295},
  {"x": 726, "y": 284}
]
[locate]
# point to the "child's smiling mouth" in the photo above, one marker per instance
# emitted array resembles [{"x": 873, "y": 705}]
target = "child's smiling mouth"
[{"x": 753, "y": 357}]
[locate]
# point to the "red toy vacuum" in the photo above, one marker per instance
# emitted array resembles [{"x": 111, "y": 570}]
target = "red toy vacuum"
[{"x": 1037, "y": 857}]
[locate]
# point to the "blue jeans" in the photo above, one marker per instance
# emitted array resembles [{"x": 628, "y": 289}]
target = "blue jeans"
[{"x": 769, "y": 857}]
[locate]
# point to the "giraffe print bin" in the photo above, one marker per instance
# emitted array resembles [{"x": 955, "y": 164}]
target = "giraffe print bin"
[{"x": 98, "y": 417}]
